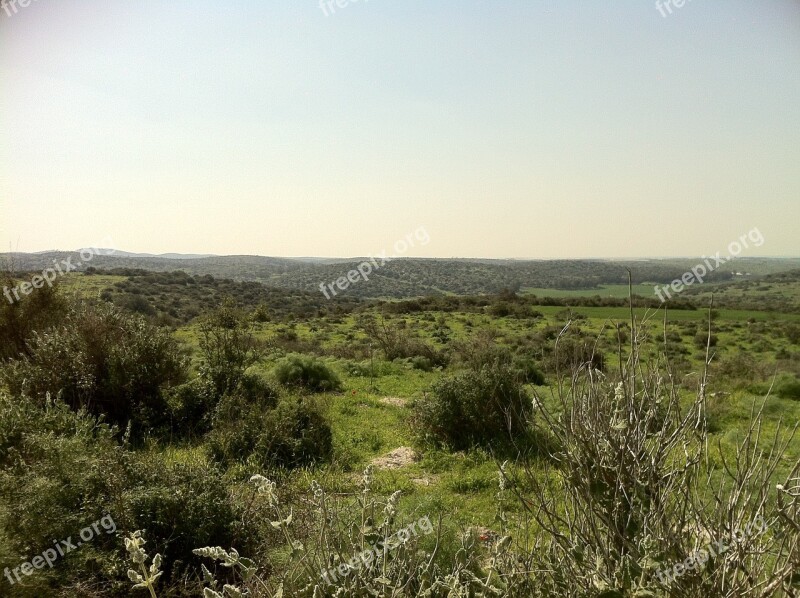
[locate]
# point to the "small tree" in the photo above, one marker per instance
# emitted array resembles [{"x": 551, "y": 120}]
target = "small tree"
[{"x": 227, "y": 347}]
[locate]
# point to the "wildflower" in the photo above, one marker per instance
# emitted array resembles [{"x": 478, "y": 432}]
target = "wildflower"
[
  {"x": 619, "y": 393},
  {"x": 317, "y": 490},
  {"x": 266, "y": 487},
  {"x": 366, "y": 480},
  {"x": 501, "y": 476},
  {"x": 391, "y": 507}
]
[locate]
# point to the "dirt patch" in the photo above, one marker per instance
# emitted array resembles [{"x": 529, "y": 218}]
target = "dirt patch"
[
  {"x": 424, "y": 481},
  {"x": 399, "y": 457},
  {"x": 394, "y": 401}
]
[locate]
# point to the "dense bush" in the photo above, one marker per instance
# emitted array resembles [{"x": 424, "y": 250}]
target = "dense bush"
[
  {"x": 60, "y": 471},
  {"x": 702, "y": 339},
  {"x": 182, "y": 506},
  {"x": 483, "y": 407},
  {"x": 789, "y": 388},
  {"x": 307, "y": 372},
  {"x": 105, "y": 361},
  {"x": 190, "y": 407},
  {"x": 227, "y": 347},
  {"x": 36, "y": 312},
  {"x": 293, "y": 433},
  {"x": 527, "y": 371}
]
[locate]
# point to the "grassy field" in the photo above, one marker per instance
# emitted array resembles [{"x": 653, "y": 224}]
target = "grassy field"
[
  {"x": 372, "y": 415},
  {"x": 605, "y": 290},
  {"x": 463, "y": 485}
]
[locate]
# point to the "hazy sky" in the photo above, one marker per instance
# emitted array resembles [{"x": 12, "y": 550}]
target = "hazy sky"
[{"x": 506, "y": 128}]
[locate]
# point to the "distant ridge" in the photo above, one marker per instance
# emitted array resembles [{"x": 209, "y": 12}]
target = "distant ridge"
[
  {"x": 166, "y": 256},
  {"x": 407, "y": 277}
]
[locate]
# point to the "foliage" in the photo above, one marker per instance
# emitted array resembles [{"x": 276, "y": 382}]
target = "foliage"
[
  {"x": 484, "y": 407},
  {"x": 306, "y": 372},
  {"x": 227, "y": 348},
  {"x": 59, "y": 471},
  {"x": 292, "y": 433},
  {"x": 397, "y": 343},
  {"x": 182, "y": 505},
  {"x": 630, "y": 498},
  {"x": 103, "y": 360},
  {"x": 33, "y": 313}
]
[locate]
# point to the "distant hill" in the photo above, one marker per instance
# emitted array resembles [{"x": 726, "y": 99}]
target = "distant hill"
[
  {"x": 169, "y": 256},
  {"x": 411, "y": 277}
]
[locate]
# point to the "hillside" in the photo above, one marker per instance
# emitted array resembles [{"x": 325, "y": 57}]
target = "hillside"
[{"x": 413, "y": 277}]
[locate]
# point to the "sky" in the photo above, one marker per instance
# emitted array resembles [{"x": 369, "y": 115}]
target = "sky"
[{"x": 505, "y": 129}]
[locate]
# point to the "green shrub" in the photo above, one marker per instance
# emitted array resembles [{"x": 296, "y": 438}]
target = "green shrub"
[
  {"x": 572, "y": 352},
  {"x": 701, "y": 340},
  {"x": 182, "y": 506},
  {"x": 306, "y": 372},
  {"x": 293, "y": 433},
  {"x": 227, "y": 347},
  {"x": 483, "y": 407},
  {"x": 36, "y": 312},
  {"x": 190, "y": 406},
  {"x": 111, "y": 363},
  {"x": 60, "y": 471},
  {"x": 527, "y": 371},
  {"x": 421, "y": 363},
  {"x": 789, "y": 388}
]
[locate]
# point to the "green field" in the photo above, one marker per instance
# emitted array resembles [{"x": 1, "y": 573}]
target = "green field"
[
  {"x": 375, "y": 411},
  {"x": 605, "y": 290}
]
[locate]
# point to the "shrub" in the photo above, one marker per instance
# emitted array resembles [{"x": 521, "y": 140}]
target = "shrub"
[
  {"x": 227, "y": 347},
  {"x": 190, "y": 406},
  {"x": 101, "y": 359},
  {"x": 572, "y": 352},
  {"x": 481, "y": 350},
  {"x": 701, "y": 339},
  {"x": 527, "y": 371},
  {"x": 291, "y": 434},
  {"x": 633, "y": 497},
  {"x": 36, "y": 312},
  {"x": 182, "y": 506},
  {"x": 60, "y": 471},
  {"x": 421, "y": 363},
  {"x": 789, "y": 388},
  {"x": 307, "y": 372},
  {"x": 482, "y": 407},
  {"x": 397, "y": 343}
]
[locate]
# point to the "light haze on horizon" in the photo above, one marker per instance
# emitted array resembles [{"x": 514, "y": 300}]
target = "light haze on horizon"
[{"x": 508, "y": 129}]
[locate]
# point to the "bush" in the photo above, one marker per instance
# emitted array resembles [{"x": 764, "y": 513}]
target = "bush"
[
  {"x": 789, "y": 388},
  {"x": 421, "y": 363},
  {"x": 292, "y": 434},
  {"x": 307, "y": 372},
  {"x": 60, "y": 471},
  {"x": 182, "y": 506},
  {"x": 482, "y": 407},
  {"x": 190, "y": 406},
  {"x": 38, "y": 311},
  {"x": 527, "y": 371},
  {"x": 397, "y": 343},
  {"x": 572, "y": 352},
  {"x": 101, "y": 359},
  {"x": 701, "y": 340},
  {"x": 227, "y": 347}
]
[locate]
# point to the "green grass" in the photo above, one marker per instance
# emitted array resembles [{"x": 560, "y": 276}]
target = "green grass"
[
  {"x": 463, "y": 486},
  {"x": 88, "y": 286},
  {"x": 604, "y": 290}
]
